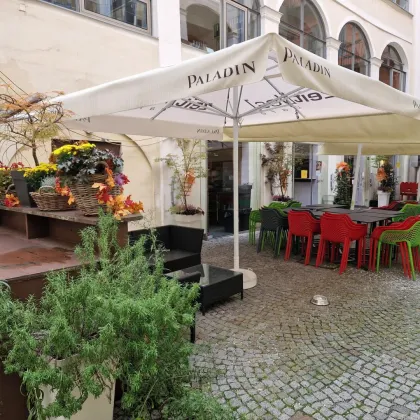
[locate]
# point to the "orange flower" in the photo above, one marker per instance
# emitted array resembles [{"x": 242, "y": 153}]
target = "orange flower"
[
  {"x": 71, "y": 199},
  {"x": 110, "y": 179},
  {"x": 343, "y": 166},
  {"x": 381, "y": 175},
  {"x": 11, "y": 201},
  {"x": 190, "y": 178}
]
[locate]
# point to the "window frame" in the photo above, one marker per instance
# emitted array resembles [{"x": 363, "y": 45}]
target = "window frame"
[
  {"x": 394, "y": 69},
  {"x": 225, "y": 23},
  {"x": 406, "y": 6},
  {"x": 80, "y": 9},
  {"x": 354, "y": 26},
  {"x": 301, "y": 31}
]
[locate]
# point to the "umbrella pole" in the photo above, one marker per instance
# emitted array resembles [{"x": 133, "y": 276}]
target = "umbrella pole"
[
  {"x": 249, "y": 277},
  {"x": 235, "y": 180},
  {"x": 356, "y": 176}
]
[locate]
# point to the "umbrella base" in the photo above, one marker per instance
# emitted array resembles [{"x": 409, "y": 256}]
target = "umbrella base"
[{"x": 250, "y": 278}]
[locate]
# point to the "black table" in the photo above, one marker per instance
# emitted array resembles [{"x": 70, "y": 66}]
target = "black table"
[
  {"x": 323, "y": 206},
  {"x": 216, "y": 283}
]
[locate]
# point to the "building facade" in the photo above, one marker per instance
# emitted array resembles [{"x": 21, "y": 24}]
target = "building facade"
[{"x": 67, "y": 45}]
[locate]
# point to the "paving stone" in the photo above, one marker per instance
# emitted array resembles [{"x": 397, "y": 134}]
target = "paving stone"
[{"x": 359, "y": 359}]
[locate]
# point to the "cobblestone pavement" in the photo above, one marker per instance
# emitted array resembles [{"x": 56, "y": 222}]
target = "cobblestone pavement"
[{"x": 276, "y": 356}]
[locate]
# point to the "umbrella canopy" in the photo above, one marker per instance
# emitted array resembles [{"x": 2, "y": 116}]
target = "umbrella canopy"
[
  {"x": 369, "y": 149},
  {"x": 251, "y": 91},
  {"x": 286, "y": 94}
]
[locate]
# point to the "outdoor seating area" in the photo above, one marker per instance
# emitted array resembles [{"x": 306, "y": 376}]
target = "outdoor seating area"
[
  {"x": 330, "y": 231},
  {"x": 119, "y": 309}
]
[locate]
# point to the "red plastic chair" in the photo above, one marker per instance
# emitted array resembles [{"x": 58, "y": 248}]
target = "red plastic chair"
[
  {"x": 340, "y": 229},
  {"x": 390, "y": 206},
  {"x": 408, "y": 189},
  {"x": 376, "y": 234},
  {"x": 304, "y": 225}
]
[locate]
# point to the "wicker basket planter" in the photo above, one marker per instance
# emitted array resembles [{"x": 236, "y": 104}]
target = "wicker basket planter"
[
  {"x": 48, "y": 200},
  {"x": 85, "y": 195}
]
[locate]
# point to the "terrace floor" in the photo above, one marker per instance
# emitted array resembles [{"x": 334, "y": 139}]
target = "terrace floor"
[{"x": 274, "y": 355}]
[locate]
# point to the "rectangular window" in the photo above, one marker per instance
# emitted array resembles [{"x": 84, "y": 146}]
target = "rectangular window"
[
  {"x": 235, "y": 25},
  {"x": 68, "y": 4},
  {"x": 132, "y": 12},
  {"x": 404, "y": 4}
]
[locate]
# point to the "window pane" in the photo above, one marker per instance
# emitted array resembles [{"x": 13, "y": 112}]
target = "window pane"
[
  {"x": 235, "y": 25},
  {"x": 141, "y": 15},
  {"x": 354, "y": 52},
  {"x": 385, "y": 75},
  {"x": 312, "y": 24},
  {"x": 361, "y": 48},
  {"x": 345, "y": 59},
  {"x": 346, "y": 37},
  {"x": 314, "y": 45},
  {"x": 361, "y": 66},
  {"x": 133, "y": 12},
  {"x": 397, "y": 80},
  {"x": 200, "y": 25},
  {"x": 253, "y": 24},
  {"x": 291, "y": 12},
  {"x": 302, "y": 33},
  {"x": 68, "y": 4},
  {"x": 290, "y": 34},
  {"x": 250, "y": 4}
]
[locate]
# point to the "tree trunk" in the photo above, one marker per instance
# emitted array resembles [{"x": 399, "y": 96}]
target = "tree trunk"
[{"x": 35, "y": 156}]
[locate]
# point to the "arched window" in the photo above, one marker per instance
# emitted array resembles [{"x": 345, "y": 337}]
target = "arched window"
[
  {"x": 392, "y": 69},
  {"x": 214, "y": 24},
  {"x": 302, "y": 24},
  {"x": 354, "y": 51}
]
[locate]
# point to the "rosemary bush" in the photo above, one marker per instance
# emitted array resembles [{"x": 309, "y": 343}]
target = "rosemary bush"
[{"x": 115, "y": 319}]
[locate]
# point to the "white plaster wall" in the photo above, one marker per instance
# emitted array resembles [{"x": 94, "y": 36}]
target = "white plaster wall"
[{"x": 47, "y": 48}]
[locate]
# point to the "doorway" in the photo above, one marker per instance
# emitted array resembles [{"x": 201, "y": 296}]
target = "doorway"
[{"x": 220, "y": 188}]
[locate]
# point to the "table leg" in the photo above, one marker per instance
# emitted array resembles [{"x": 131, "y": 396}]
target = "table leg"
[{"x": 192, "y": 331}]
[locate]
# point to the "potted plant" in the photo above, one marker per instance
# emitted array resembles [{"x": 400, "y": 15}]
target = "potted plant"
[
  {"x": 6, "y": 182},
  {"x": 28, "y": 180},
  {"x": 282, "y": 198},
  {"x": 187, "y": 167},
  {"x": 53, "y": 196},
  {"x": 95, "y": 178},
  {"x": 120, "y": 319},
  {"x": 385, "y": 176},
  {"x": 343, "y": 187}
]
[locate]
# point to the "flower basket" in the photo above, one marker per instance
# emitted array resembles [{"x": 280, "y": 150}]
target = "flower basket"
[
  {"x": 86, "y": 196},
  {"x": 48, "y": 200}
]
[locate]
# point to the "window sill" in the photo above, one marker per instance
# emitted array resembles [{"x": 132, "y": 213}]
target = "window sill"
[
  {"x": 97, "y": 17},
  {"x": 398, "y": 8},
  {"x": 192, "y": 48}
]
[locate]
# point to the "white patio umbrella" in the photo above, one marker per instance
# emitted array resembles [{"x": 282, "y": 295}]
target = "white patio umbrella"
[{"x": 265, "y": 89}]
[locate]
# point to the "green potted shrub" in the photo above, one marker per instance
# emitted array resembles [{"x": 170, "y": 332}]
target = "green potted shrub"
[{"x": 116, "y": 319}]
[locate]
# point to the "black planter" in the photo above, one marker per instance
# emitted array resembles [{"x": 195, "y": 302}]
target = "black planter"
[
  {"x": 373, "y": 203},
  {"x": 22, "y": 189}
]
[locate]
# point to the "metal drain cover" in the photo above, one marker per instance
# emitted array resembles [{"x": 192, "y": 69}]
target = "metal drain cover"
[{"x": 320, "y": 300}]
